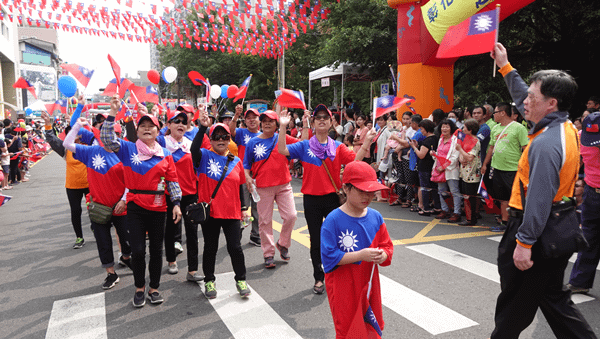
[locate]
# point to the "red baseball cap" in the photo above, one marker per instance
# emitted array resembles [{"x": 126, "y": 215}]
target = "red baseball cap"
[
  {"x": 222, "y": 125},
  {"x": 174, "y": 114},
  {"x": 321, "y": 107},
  {"x": 362, "y": 176},
  {"x": 269, "y": 114},
  {"x": 149, "y": 117},
  {"x": 118, "y": 128},
  {"x": 253, "y": 111},
  {"x": 186, "y": 108}
]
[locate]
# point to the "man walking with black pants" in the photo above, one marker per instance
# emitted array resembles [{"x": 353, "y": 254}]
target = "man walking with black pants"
[{"x": 546, "y": 172}]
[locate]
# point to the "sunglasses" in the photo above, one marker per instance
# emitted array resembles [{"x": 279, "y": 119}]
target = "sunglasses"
[
  {"x": 217, "y": 137},
  {"x": 178, "y": 121}
]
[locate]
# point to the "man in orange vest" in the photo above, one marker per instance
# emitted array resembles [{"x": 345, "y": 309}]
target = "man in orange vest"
[{"x": 547, "y": 171}]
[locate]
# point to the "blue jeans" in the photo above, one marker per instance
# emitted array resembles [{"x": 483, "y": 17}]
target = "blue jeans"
[
  {"x": 456, "y": 196},
  {"x": 425, "y": 183},
  {"x": 584, "y": 269}
]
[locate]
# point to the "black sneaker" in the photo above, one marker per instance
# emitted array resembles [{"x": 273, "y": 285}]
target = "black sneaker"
[
  {"x": 138, "y": 299},
  {"x": 155, "y": 297},
  {"x": 255, "y": 241},
  {"x": 78, "y": 243},
  {"x": 111, "y": 280},
  {"x": 125, "y": 262}
]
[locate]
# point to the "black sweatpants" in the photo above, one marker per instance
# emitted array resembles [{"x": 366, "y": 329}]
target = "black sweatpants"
[
  {"x": 316, "y": 208},
  {"x": 211, "y": 229},
  {"x": 75, "y": 195}
]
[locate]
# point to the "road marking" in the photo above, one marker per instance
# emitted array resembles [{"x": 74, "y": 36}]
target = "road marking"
[
  {"x": 422, "y": 235},
  {"x": 80, "y": 317},
  {"x": 473, "y": 265},
  {"x": 248, "y": 318},
  {"x": 470, "y": 264},
  {"x": 428, "y": 314}
]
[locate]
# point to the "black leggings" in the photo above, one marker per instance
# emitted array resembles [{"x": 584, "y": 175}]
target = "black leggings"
[
  {"x": 140, "y": 221},
  {"x": 211, "y": 229},
  {"x": 15, "y": 174},
  {"x": 104, "y": 239},
  {"x": 191, "y": 233},
  {"x": 75, "y": 195},
  {"x": 316, "y": 208}
]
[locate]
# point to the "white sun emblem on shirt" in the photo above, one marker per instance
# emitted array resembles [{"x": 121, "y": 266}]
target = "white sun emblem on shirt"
[
  {"x": 260, "y": 150},
  {"x": 214, "y": 168},
  {"x": 483, "y": 22},
  {"x": 98, "y": 162},
  {"x": 311, "y": 154},
  {"x": 246, "y": 139},
  {"x": 348, "y": 241},
  {"x": 135, "y": 159}
]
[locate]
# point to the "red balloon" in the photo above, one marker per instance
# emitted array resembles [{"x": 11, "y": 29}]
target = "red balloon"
[
  {"x": 232, "y": 91},
  {"x": 153, "y": 76}
]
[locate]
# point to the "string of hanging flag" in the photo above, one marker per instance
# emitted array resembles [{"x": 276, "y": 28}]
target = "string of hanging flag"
[{"x": 233, "y": 26}]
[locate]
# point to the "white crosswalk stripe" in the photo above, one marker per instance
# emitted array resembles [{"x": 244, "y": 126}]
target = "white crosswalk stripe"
[
  {"x": 247, "y": 318},
  {"x": 80, "y": 317}
]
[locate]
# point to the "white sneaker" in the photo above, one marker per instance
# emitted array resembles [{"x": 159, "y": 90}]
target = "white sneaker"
[
  {"x": 173, "y": 269},
  {"x": 178, "y": 247}
]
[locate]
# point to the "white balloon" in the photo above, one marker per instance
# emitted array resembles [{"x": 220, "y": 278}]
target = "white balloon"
[
  {"x": 170, "y": 74},
  {"x": 215, "y": 91}
]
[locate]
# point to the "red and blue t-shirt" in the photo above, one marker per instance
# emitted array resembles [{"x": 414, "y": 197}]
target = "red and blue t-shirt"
[
  {"x": 269, "y": 167},
  {"x": 226, "y": 204},
  {"x": 315, "y": 179},
  {"x": 145, "y": 175},
  {"x": 242, "y": 137},
  {"x": 104, "y": 172},
  {"x": 185, "y": 168}
]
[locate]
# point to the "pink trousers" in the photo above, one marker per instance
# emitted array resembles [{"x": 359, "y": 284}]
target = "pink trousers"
[{"x": 283, "y": 195}]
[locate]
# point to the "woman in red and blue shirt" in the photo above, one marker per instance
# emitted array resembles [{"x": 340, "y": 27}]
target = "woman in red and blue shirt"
[
  {"x": 320, "y": 197},
  {"x": 148, "y": 169}
]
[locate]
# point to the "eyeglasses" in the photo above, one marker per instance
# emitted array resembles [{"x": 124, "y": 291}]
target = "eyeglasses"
[
  {"x": 178, "y": 121},
  {"x": 217, "y": 137},
  {"x": 321, "y": 117}
]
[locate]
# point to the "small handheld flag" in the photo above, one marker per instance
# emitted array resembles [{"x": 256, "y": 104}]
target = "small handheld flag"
[
  {"x": 242, "y": 89},
  {"x": 291, "y": 99},
  {"x": 389, "y": 103},
  {"x": 23, "y": 83},
  {"x": 485, "y": 195},
  {"x": 475, "y": 35},
  {"x": 116, "y": 69},
  {"x": 82, "y": 74}
]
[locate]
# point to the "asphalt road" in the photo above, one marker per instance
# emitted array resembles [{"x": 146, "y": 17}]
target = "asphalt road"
[{"x": 442, "y": 282}]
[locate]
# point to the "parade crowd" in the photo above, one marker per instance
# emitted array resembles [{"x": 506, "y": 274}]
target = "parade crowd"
[{"x": 143, "y": 175}]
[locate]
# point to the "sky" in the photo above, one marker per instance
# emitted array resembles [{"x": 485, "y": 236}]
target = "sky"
[{"x": 91, "y": 51}]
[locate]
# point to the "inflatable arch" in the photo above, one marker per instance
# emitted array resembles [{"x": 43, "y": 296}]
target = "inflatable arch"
[{"x": 421, "y": 27}]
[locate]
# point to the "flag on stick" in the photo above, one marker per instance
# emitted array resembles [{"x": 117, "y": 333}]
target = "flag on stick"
[
  {"x": 475, "y": 35},
  {"x": 116, "y": 69},
  {"x": 23, "y": 83},
  {"x": 290, "y": 99},
  {"x": 242, "y": 89},
  {"x": 389, "y": 103},
  {"x": 82, "y": 74}
]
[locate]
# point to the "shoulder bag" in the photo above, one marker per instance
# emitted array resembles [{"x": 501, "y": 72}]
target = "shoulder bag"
[
  {"x": 197, "y": 213},
  {"x": 340, "y": 193},
  {"x": 98, "y": 213}
]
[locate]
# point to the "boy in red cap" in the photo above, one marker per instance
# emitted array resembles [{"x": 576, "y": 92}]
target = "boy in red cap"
[{"x": 354, "y": 240}]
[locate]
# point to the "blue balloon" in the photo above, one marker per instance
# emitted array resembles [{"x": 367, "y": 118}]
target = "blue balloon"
[
  {"x": 28, "y": 111},
  {"x": 224, "y": 91},
  {"x": 67, "y": 86}
]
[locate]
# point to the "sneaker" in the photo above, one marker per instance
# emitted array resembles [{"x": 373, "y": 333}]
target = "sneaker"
[
  {"x": 79, "y": 243},
  {"x": 255, "y": 241},
  {"x": 111, "y": 280},
  {"x": 499, "y": 228},
  {"x": 195, "y": 277},
  {"x": 269, "y": 262},
  {"x": 125, "y": 262},
  {"x": 210, "y": 290},
  {"x": 178, "y": 248},
  {"x": 155, "y": 297},
  {"x": 242, "y": 288},
  {"x": 319, "y": 289},
  {"x": 575, "y": 289},
  {"x": 173, "y": 269},
  {"x": 138, "y": 299},
  {"x": 283, "y": 252}
]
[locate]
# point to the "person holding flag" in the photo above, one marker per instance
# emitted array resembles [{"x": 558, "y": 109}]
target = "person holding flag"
[
  {"x": 470, "y": 169},
  {"x": 354, "y": 240},
  {"x": 322, "y": 160}
]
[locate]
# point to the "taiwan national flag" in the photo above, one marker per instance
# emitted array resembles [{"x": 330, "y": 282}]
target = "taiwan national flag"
[
  {"x": 467, "y": 142},
  {"x": 485, "y": 195},
  {"x": 144, "y": 93},
  {"x": 4, "y": 199},
  {"x": 290, "y": 99},
  {"x": 23, "y": 83},
  {"x": 116, "y": 69},
  {"x": 389, "y": 103},
  {"x": 476, "y": 35},
  {"x": 111, "y": 88},
  {"x": 241, "y": 93},
  {"x": 82, "y": 74}
]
